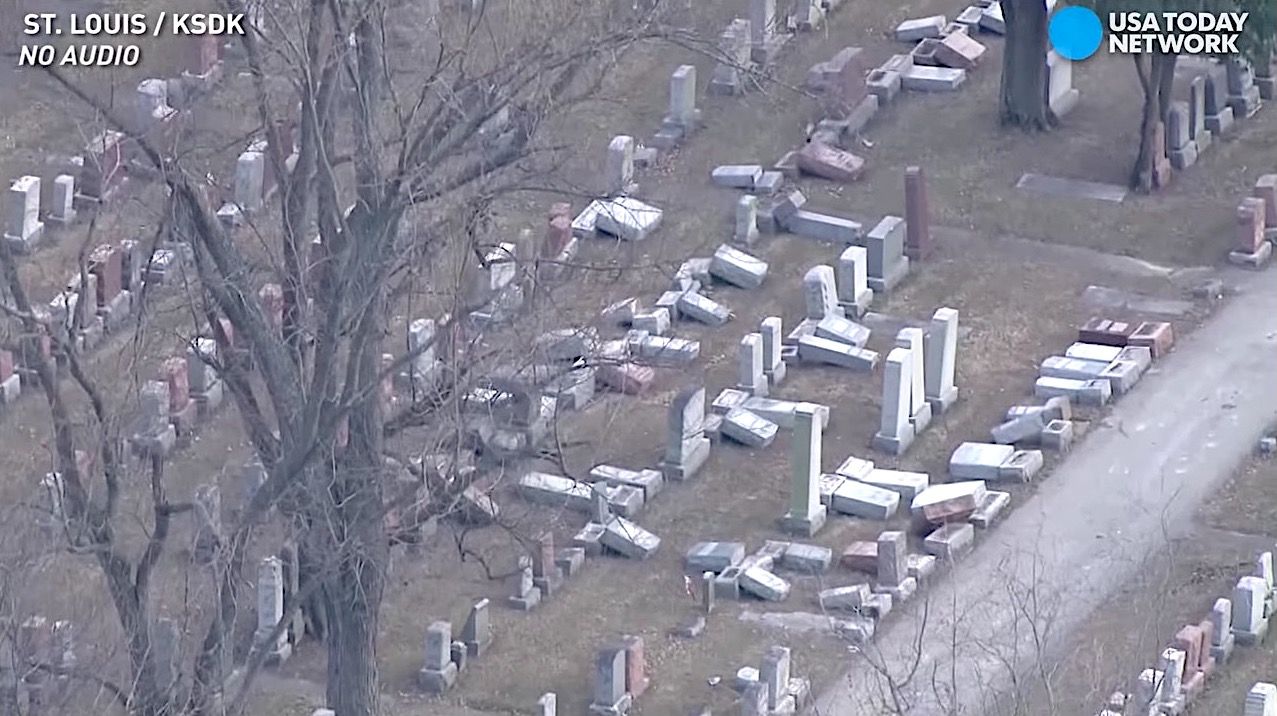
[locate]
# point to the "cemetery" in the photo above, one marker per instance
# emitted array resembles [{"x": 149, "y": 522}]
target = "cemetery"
[{"x": 723, "y": 419}]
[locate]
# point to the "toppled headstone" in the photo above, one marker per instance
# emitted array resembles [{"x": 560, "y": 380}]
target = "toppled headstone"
[
  {"x": 737, "y": 176},
  {"x": 863, "y": 500},
  {"x": 703, "y": 309},
  {"x": 627, "y": 218},
  {"x": 814, "y": 349},
  {"x": 628, "y": 539},
  {"x": 764, "y": 585},
  {"x": 978, "y": 461},
  {"x": 920, "y": 28},
  {"x": 906, "y": 484},
  {"x": 737, "y": 267},
  {"x": 714, "y": 556},
  {"x": 921, "y": 78},
  {"x": 951, "y": 541},
  {"x": 748, "y": 429},
  {"x": 952, "y": 501}
]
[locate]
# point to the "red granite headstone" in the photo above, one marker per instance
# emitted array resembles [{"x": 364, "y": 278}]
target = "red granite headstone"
[
  {"x": 558, "y": 232},
  {"x": 636, "y": 681},
  {"x": 918, "y": 244},
  {"x": 341, "y": 436},
  {"x": 543, "y": 560},
  {"x": 205, "y": 51},
  {"x": 1206, "y": 662},
  {"x": 179, "y": 384},
  {"x": 1266, "y": 189},
  {"x": 6, "y": 365},
  {"x": 821, "y": 160},
  {"x": 1105, "y": 332},
  {"x": 861, "y": 556},
  {"x": 1189, "y": 640},
  {"x": 107, "y": 263},
  {"x": 1250, "y": 224},
  {"x": 1157, "y": 336}
]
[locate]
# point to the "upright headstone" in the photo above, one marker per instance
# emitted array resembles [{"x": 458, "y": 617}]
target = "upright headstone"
[
  {"x": 438, "y": 672},
  {"x": 896, "y": 432},
  {"x": 208, "y": 532},
  {"x": 775, "y": 675},
  {"x": 750, "y": 375},
  {"x": 912, "y": 339},
  {"x": 620, "y": 165},
  {"x": 23, "y": 228},
  {"x": 1197, "y": 109},
  {"x": 1261, "y": 700},
  {"x": 820, "y": 292},
  {"x": 250, "y": 175},
  {"x": 63, "y": 209},
  {"x": 636, "y": 679},
  {"x": 892, "y": 558},
  {"x": 687, "y": 448},
  {"x": 548, "y": 704},
  {"x": 270, "y": 610},
  {"x": 1061, "y": 96},
  {"x": 746, "y": 233},
  {"x": 683, "y": 110},
  {"x": 477, "y": 633},
  {"x": 609, "y": 679},
  {"x": 940, "y": 348},
  {"x": 774, "y": 367},
  {"x": 888, "y": 265},
  {"x": 854, "y": 294},
  {"x": 806, "y": 515},
  {"x": 918, "y": 246}
]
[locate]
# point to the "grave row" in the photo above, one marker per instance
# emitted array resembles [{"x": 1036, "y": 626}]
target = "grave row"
[{"x": 1198, "y": 650}]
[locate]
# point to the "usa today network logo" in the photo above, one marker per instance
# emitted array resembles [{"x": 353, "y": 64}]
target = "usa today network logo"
[{"x": 1077, "y": 32}]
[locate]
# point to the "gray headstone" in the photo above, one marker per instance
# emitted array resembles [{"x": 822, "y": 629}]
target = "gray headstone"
[
  {"x": 609, "y": 676},
  {"x": 820, "y": 292}
]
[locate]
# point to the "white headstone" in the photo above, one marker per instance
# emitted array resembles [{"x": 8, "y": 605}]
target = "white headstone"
[
  {"x": 896, "y": 432},
  {"x": 270, "y": 601},
  {"x": 773, "y": 339},
  {"x": 853, "y": 276},
  {"x": 940, "y": 347},
  {"x": 746, "y": 220},
  {"x": 911, "y": 340},
  {"x": 1248, "y": 604},
  {"x": 820, "y": 292},
  {"x": 250, "y": 177},
  {"x": 23, "y": 220},
  {"x": 620, "y": 164},
  {"x": 750, "y": 376},
  {"x": 63, "y": 209},
  {"x": 683, "y": 96}
]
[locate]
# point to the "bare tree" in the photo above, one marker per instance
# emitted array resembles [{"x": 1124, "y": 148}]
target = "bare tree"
[{"x": 402, "y": 145}]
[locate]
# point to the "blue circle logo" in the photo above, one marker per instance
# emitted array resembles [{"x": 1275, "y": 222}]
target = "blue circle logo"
[{"x": 1076, "y": 32}]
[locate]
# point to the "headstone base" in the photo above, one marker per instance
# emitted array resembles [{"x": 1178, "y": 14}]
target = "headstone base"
[
  {"x": 1251, "y": 638},
  {"x": 1224, "y": 650},
  {"x": 1203, "y": 140},
  {"x": 65, "y": 219},
  {"x": 116, "y": 312},
  {"x": 858, "y": 308},
  {"x": 894, "y": 445},
  {"x": 776, "y": 375},
  {"x": 1184, "y": 157},
  {"x": 891, "y": 277},
  {"x": 551, "y": 584},
  {"x": 691, "y": 464},
  {"x": 1247, "y": 104},
  {"x": 11, "y": 389},
  {"x": 620, "y": 708},
  {"x": 1220, "y": 124},
  {"x": 184, "y": 421},
  {"x": 921, "y": 419},
  {"x": 765, "y": 53},
  {"x": 158, "y": 443},
  {"x": 1257, "y": 260},
  {"x": 438, "y": 682},
  {"x": 1267, "y": 87},
  {"x": 803, "y": 525},
  {"x": 208, "y": 401},
  {"x": 940, "y": 404},
  {"x": 900, "y": 593},
  {"x": 527, "y": 602},
  {"x": 28, "y": 242},
  {"x": 590, "y": 539},
  {"x": 1062, "y": 105},
  {"x": 279, "y": 655}
]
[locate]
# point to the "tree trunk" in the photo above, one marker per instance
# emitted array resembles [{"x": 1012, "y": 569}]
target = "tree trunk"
[
  {"x": 1157, "y": 79},
  {"x": 1024, "y": 74},
  {"x": 146, "y": 698}
]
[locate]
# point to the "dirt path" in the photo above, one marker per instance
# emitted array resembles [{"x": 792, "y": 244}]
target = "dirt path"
[{"x": 1132, "y": 485}]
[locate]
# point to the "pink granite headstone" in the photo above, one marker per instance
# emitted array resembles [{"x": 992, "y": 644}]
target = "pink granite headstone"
[{"x": 918, "y": 245}]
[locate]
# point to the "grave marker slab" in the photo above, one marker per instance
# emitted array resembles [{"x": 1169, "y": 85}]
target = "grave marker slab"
[{"x": 806, "y": 515}]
